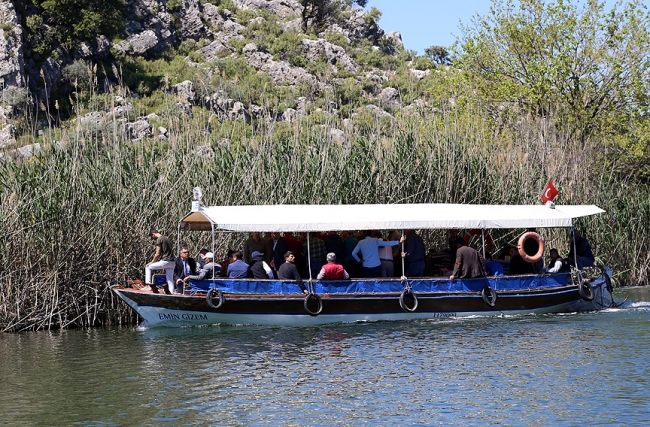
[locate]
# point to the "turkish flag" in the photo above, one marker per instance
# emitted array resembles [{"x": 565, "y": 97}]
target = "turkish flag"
[{"x": 549, "y": 192}]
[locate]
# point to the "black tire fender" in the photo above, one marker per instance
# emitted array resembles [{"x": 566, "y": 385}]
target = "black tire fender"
[
  {"x": 586, "y": 291},
  {"x": 319, "y": 301},
  {"x": 210, "y": 296},
  {"x": 402, "y": 303},
  {"x": 489, "y": 296}
]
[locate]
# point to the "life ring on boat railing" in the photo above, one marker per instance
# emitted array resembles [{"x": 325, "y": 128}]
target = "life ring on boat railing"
[
  {"x": 209, "y": 297},
  {"x": 586, "y": 291},
  {"x": 402, "y": 302},
  {"x": 489, "y": 296},
  {"x": 476, "y": 231},
  {"x": 319, "y": 302},
  {"x": 524, "y": 244}
]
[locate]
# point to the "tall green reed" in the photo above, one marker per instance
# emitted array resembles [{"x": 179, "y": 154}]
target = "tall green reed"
[{"x": 75, "y": 219}]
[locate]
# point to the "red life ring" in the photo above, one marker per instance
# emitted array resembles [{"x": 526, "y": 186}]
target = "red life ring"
[
  {"x": 476, "y": 231},
  {"x": 540, "y": 247}
]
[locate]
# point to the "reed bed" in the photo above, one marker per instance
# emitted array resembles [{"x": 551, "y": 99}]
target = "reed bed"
[{"x": 75, "y": 219}]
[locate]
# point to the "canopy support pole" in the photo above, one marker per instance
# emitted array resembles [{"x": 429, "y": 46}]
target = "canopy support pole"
[
  {"x": 483, "y": 239},
  {"x": 213, "y": 243},
  {"x": 178, "y": 238},
  {"x": 309, "y": 260},
  {"x": 402, "y": 256},
  {"x": 575, "y": 252}
]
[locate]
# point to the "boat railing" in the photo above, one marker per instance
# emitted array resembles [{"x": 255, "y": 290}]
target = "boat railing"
[{"x": 382, "y": 285}]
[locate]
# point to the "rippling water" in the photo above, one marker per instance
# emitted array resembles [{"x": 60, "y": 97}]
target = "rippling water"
[{"x": 559, "y": 370}]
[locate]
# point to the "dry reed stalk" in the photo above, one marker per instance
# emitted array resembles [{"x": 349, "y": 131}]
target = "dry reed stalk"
[{"x": 74, "y": 221}]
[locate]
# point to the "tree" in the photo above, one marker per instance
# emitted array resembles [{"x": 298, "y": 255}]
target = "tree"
[
  {"x": 586, "y": 68},
  {"x": 70, "y": 22},
  {"x": 438, "y": 54},
  {"x": 318, "y": 13}
]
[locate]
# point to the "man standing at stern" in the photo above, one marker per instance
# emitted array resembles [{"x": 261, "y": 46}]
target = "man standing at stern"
[{"x": 163, "y": 259}]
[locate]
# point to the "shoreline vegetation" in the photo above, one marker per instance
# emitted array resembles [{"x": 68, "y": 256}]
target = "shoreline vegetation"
[
  {"x": 75, "y": 216},
  {"x": 75, "y": 219}
]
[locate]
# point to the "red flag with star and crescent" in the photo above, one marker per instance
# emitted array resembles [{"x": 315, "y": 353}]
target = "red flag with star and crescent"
[{"x": 549, "y": 192}]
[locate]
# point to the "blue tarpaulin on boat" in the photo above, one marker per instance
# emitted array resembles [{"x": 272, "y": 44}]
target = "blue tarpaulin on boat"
[{"x": 499, "y": 283}]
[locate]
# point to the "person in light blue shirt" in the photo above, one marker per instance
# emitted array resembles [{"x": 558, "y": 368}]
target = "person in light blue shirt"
[
  {"x": 369, "y": 249},
  {"x": 238, "y": 269}
]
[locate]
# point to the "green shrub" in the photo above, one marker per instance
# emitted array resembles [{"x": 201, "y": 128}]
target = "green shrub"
[
  {"x": 186, "y": 47},
  {"x": 227, "y": 5},
  {"x": 423, "y": 63},
  {"x": 337, "y": 39},
  {"x": 264, "y": 34},
  {"x": 79, "y": 72},
  {"x": 174, "y": 6},
  {"x": 238, "y": 44},
  {"x": 287, "y": 47},
  {"x": 373, "y": 16},
  {"x": 244, "y": 16}
]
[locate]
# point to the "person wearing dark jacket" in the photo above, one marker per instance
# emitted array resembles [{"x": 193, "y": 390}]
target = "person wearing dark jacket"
[
  {"x": 414, "y": 255},
  {"x": 289, "y": 271},
  {"x": 468, "y": 263},
  {"x": 259, "y": 268},
  {"x": 201, "y": 261},
  {"x": 280, "y": 246},
  {"x": 585, "y": 256},
  {"x": 184, "y": 266},
  {"x": 335, "y": 244},
  {"x": 557, "y": 264}
]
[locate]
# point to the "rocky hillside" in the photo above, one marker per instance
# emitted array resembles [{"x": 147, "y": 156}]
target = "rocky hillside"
[{"x": 204, "y": 52}]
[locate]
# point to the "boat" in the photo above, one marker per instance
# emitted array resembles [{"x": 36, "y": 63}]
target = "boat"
[{"x": 282, "y": 302}]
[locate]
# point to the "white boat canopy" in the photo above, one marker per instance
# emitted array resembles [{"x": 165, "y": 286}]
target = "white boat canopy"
[{"x": 267, "y": 218}]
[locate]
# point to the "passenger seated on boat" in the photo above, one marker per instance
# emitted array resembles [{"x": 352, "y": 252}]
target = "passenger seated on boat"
[
  {"x": 185, "y": 266},
  {"x": 518, "y": 265},
  {"x": 209, "y": 271},
  {"x": 238, "y": 269},
  {"x": 585, "y": 257},
  {"x": 201, "y": 262},
  {"x": 492, "y": 268},
  {"x": 259, "y": 268},
  {"x": 332, "y": 270},
  {"x": 289, "y": 271},
  {"x": 226, "y": 262},
  {"x": 469, "y": 262},
  {"x": 557, "y": 264}
]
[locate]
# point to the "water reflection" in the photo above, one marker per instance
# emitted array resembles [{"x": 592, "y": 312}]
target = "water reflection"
[{"x": 574, "y": 369}]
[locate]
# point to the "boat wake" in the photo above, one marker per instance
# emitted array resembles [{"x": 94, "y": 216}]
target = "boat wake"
[{"x": 643, "y": 305}]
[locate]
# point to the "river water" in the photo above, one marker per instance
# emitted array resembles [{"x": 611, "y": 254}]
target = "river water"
[{"x": 554, "y": 370}]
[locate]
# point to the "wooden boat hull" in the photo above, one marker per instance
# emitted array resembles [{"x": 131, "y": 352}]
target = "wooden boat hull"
[{"x": 291, "y": 308}]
